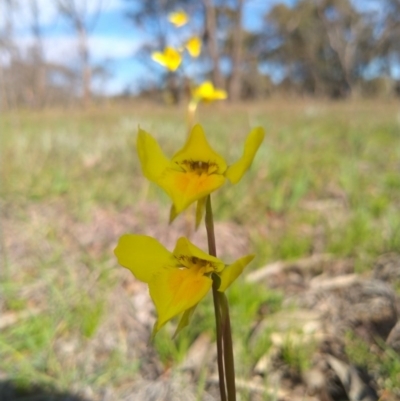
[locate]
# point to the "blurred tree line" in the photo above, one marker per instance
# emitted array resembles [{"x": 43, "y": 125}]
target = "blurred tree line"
[
  {"x": 26, "y": 77},
  {"x": 327, "y": 48}
]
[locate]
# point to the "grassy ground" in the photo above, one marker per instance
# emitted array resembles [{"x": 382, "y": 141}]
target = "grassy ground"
[{"x": 325, "y": 180}]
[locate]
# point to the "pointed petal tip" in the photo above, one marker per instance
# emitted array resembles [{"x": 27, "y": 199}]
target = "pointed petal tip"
[
  {"x": 235, "y": 172},
  {"x": 233, "y": 271},
  {"x": 174, "y": 291},
  {"x": 199, "y": 212},
  {"x": 184, "y": 320},
  {"x": 172, "y": 214},
  {"x": 154, "y": 332},
  {"x": 142, "y": 255}
]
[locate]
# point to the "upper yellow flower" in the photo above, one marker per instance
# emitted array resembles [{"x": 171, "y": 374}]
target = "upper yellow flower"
[
  {"x": 193, "y": 46},
  {"x": 206, "y": 92},
  {"x": 170, "y": 58},
  {"x": 178, "y": 18},
  {"x": 194, "y": 171},
  {"x": 178, "y": 280}
]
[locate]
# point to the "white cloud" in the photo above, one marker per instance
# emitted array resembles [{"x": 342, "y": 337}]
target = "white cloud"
[
  {"x": 60, "y": 43},
  {"x": 61, "y": 46},
  {"x": 64, "y": 49},
  {"x": 21, "y": 14},
  {"x": 113, "y": 47}
]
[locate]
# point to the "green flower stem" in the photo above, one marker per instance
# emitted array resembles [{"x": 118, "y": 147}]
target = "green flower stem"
[
  {"x": 220, "y": 350},
  {"x": 226, "y": 366},
  {"x": 228, "y": 348},
  {"x": 212, "y": 248}
]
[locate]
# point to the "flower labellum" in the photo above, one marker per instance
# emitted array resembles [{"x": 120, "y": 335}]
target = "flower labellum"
[
  {"x": 177, "y": 280},
  {"x": 194, "y": 171}
]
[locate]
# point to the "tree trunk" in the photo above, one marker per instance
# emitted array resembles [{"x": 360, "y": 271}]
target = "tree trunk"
[
  {"x": 211, "y": 40},
  {"x": 235, "y": 81},
  {"x": 39, "y": 84},
  {"x": 3, "y": 92},
  {"x": 86, "y": 70},
  {"x": 345, "y": 48},
  {"x": 78, "y": 17}
]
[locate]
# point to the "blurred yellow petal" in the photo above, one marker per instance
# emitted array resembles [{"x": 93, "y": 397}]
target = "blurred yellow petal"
[
  {"x": 233, "y": 271},
  {"x": 144, "y": 256},
  {"x": 159, "y": 58},
  {"x": 175, "y": 290},
  {"x": 193, "y": 257},
  {"x": 178, "y": 18},
  {"x": 151, "y": 156},
  {"x": 193, "y": 46},
  {"x": 170, "y": 58},
  {"x": 207, "y": 92},
  {"x": 236, "y": 171}
]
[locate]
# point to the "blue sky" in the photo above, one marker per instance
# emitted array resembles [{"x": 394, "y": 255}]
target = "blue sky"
[{"x": 114, "y": 40}]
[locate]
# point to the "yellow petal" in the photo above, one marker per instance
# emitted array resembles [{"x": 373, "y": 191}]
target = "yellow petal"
[
  {"x": 184, "y": 321},
  {"x": 176, "y": 290},
  {"x": 208, "y": 93},
  {"x": 189, "y": 251},
  {"x": 233, "y": 271},
  {"x": 142, "y": 255},
  {"x": 194, "y": 172},
  {"x": 170, "y": 58},
  {"x": 186, "y": 188},
  {"x": 193, "y": 46},
  {"x": 236, "y": 171},
  {"x": 152, "y": 158},
  {"x": 198, "y": 149},
  {"x": 178, "y": 18}
]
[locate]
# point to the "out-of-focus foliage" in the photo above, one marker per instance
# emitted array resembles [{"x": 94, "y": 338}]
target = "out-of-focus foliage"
[{"x": 329, "y": 47}]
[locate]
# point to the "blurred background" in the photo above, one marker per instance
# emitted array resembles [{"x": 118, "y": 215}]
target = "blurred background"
[
  {"x": 315, "y": 315},
  {"x": 62, "y": 51}
]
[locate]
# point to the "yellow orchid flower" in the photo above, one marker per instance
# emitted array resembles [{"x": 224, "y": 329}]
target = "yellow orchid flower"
[
  {"x": 194, "y": 171},
  {"x": 177, "y": 281},
  {"x": 208, "y": 93},
  {"x": 170, "y": 58},
  {"x": 193, "y": 46},
  {"x": 178, "y": 18}
]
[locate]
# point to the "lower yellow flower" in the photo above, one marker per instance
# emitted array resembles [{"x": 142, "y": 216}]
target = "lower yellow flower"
[
  {"x": 194, "y": 171},
  {"x": 170, "y": 58},
  {"x": 177, "y": 280}
]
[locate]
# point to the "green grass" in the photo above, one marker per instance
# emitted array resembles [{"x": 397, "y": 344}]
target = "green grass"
[
  {"x": 296, "y": 354},
  {"x": 58, "y": 169},
  {"x": 381, "y": 361}
]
